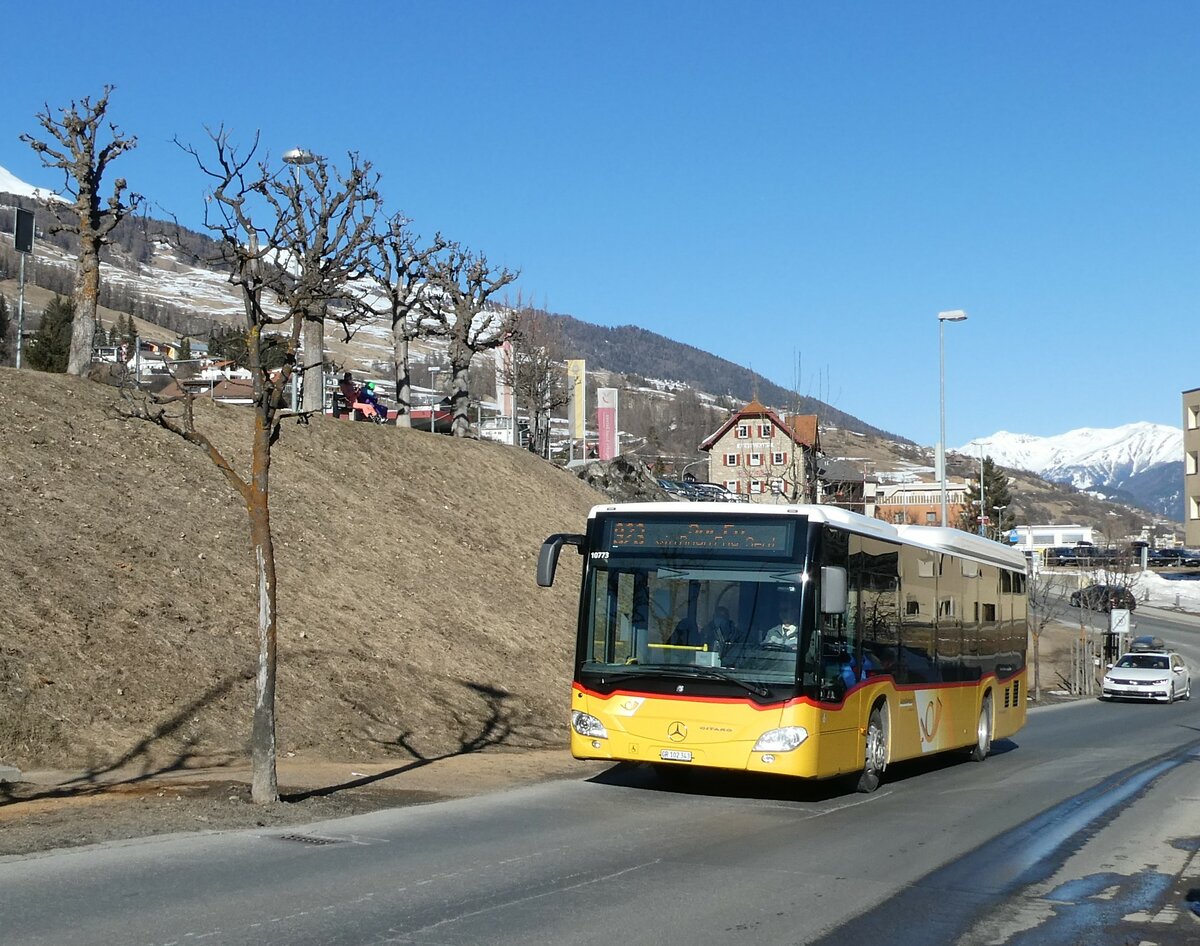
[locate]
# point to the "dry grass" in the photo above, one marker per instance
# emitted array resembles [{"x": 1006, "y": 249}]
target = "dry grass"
[{"x": 410, "y": 622}]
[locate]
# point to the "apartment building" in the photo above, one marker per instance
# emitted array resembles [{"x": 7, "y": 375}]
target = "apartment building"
[{"x": 1191, "y": 468}]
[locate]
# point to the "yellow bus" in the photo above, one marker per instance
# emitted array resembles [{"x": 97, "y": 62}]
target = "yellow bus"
[{"x": 800, "y": 640}]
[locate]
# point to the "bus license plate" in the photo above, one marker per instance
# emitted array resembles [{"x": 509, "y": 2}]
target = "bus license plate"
[{"x": 675, "y": 755}]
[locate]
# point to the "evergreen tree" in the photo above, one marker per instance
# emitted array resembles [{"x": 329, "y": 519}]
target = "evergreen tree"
[
  {"x": 995, "y": 493},
  {"x": 229, "y": 343},
  {"x": 51, "y": 346},
  {"x": 185, "y": 365},
  {"x": 130, "y": 334}
]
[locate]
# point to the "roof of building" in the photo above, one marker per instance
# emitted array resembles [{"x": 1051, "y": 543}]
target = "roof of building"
[{"x": 801, "y": 428}]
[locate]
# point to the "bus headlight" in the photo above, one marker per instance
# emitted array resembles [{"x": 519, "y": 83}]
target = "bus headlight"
[
  {"x": 587, "y": 725},
  {"x": 781, "y": 740}
]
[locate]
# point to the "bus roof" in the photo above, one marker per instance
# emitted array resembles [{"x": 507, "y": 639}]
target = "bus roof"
[{"x": 933, "y": 538}]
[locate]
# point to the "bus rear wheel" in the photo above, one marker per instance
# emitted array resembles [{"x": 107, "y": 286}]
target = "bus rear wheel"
[
  {"x": 876, "y": 753},
  {"x": 983, "y": 732}
]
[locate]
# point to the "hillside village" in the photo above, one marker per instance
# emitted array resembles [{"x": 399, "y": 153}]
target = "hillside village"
[{"x": 663, "y": 422}]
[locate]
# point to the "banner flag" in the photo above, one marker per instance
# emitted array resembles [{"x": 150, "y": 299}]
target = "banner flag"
[
  {"x": 577, "y": 406},
  {"x": 606, "y": 422},
  {"x": 504, "y": 374}
]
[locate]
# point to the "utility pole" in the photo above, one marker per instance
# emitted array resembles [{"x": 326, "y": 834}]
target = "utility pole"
[{"x": 23, "y": 241}]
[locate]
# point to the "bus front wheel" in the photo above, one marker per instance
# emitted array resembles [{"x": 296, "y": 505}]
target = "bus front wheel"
[
  {"x": 876, "y": 753},
  {"x": 983, "y": 732}
]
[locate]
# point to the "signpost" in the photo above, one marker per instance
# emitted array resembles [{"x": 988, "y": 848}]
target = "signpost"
[{"x": 23, "y": 241}]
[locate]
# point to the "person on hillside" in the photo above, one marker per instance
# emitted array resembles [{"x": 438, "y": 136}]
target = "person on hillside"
[
  {"x": 367, "y": 395},
  {"x": 348, "y": 391}
]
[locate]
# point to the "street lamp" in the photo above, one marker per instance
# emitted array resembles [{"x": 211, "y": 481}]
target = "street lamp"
[
  {"x": 296, "y": 157},
  {"x": 316, "y": 373},
  {"x": 982, "y": 493},
  {"x": 954, "y": 315},
  {"x": 999, "y": 519}
]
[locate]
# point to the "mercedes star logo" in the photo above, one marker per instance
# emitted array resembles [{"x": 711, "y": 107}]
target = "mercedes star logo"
[{"x": 677, "y": 732}]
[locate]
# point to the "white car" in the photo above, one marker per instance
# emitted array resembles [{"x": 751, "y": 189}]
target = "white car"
[{"x": 1154, "y": 675}]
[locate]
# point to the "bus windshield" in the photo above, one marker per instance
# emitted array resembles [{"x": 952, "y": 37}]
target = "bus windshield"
[{"x": 672, "y": 597}]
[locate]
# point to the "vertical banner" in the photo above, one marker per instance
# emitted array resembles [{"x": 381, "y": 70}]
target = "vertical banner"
[
  {"x": 606, "y": 422},
  {"x": 577, "y": 405},
  {"x": 504, "y": 378}
]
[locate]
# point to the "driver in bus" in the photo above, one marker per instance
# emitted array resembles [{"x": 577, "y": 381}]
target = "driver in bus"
[{"x": 787, "y": 632}]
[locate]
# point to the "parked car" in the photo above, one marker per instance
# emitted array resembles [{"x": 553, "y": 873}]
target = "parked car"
[
  {"x": 1159, "y": 676},
  {"x": 680, "y": 490},
  {"x": 1146, "y": 642},
  {"x": 1060, "y": 555},
  {"x": 1103, "y": 598},
  {"x": 1162, "y": 558},
  {"x": 714, "y": 492}
]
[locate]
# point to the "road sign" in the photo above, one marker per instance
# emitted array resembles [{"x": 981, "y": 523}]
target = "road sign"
[{"x": 23, "y": 231}]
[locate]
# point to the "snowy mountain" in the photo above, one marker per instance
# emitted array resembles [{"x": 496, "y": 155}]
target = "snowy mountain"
[
  {"x": 9, "y": 184},
  {"x": 1139, "y": 463}
]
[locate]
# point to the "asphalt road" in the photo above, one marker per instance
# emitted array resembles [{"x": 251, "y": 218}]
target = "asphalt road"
[{"x": 1081, "y": 822}]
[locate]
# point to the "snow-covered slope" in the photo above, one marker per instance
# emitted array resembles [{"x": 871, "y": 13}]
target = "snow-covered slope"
[
  {"x": 11, "y": 184},
  {"x": 1140, "y": 463}
]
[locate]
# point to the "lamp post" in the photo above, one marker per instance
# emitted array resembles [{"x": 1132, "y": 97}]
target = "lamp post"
[
  {"x": 999, "y": 515},
  {"x": 982, "y": 492},
  {"x": 314, "y": 336},
  {"x": 296, "y": 157},
  {"x": 688, "y": 466},
  {"x": 954, "y": 315}
]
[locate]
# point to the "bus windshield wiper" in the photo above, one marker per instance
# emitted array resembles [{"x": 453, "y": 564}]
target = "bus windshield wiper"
[
  {"x": 707, "y": 673},
  {"x": 711, "y": 673}
]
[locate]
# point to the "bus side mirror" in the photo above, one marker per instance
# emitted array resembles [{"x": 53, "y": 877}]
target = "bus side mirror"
[
  {"x": 833, "y": 589},
  {"x": 548, "y": 556}
]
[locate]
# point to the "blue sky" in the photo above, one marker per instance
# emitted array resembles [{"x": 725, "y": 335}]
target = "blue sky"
[{"x": 798, "y": 187}]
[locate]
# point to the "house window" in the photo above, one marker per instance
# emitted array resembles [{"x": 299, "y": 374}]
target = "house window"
[
  {"x": 767, "y": 430},
  {"x": 777, "y": 486},
  {"x": 756, "y": 486},
  {"x": 779, "y": 458},
  {"x": 733, "y": 486},
  {"x": 931, "y": 518},
  {"x": 1193, "y": 462},
  {"x": 1193, "y": 417},
  {"x": 898, "y": 517},
  {"x": 743, "y": 431},
  {"x": 756, "y": 459},
  {"x": 731, "y": 459}
]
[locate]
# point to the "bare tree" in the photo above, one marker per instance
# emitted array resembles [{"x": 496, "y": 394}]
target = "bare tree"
[
  {"x": 536, "y": 373},
  {"x": 323, "y": 240},
  {"x": 402, "y": 271},
  {"x": 241, "y": 194},
  {"x": 1047, "y": 600},
  {"x": 76, "y": 150},
  {"x": 464, "y": 283}
]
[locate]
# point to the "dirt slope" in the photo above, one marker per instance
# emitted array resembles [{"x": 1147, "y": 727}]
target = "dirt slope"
[{"x": 410, "y": 621}]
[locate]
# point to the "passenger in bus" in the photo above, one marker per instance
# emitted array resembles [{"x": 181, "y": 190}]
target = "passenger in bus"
[
  {"x": 719, "y": 631},
  {"x": 714, "y": 635}
]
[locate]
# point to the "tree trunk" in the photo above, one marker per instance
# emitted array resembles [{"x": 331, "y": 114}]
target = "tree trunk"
[
  {"x": 460, "y": 397},
  {"x": 1037, "y": 668},
  {"x": 87, "y": 295},
  {"x": 313, "y": 389},
  {"x": 264, "y": 787},
  {"x": 403, "y": 379}
]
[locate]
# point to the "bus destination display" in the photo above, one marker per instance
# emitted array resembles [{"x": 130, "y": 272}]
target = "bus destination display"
[{"x": 760, "y": 538}]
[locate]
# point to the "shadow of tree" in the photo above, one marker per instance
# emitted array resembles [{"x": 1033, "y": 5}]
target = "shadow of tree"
[
  {"x": 497, "y": 728},
  {"x": 152, "y": 764}
]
